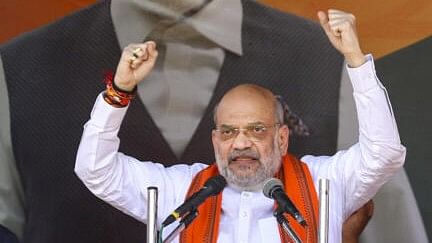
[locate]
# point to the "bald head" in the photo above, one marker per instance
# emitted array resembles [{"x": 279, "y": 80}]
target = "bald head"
[{"x": 248, "y": 99}]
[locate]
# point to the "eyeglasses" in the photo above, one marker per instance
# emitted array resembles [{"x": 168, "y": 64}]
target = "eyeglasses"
[{"x": 255, "y": 132}]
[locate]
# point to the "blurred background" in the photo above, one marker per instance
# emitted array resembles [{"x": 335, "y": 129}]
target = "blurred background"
[
  {"x": 385, "y": 26},
  {"x": 397, "y": 32}
]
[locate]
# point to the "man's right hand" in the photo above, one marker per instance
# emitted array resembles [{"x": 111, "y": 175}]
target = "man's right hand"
[{"x": 136, "y": 62}]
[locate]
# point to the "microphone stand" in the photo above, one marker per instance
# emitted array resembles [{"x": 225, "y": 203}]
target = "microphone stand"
[
  {"x": 152, "y": 195},
  {"x": 278, "y": 213},
  {"x": 184, "y": 222},
  {"x": 324, "y": 192}
]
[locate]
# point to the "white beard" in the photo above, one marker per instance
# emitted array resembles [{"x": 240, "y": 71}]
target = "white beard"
[{"x": 268, "y": 167}]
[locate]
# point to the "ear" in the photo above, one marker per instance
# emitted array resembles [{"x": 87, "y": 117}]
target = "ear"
[
  {"x": 283, "y": 139},
  {"x": 214, "y": 139}
]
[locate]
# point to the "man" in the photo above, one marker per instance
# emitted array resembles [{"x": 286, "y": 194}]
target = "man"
[
  {"x": 250, "y": 144},
  {"x": 224, "y": 44}
]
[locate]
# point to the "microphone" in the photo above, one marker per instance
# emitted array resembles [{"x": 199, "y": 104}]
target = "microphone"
[
  {"x": 273, "y": 188},
  {"x": 212, "y": 187}
]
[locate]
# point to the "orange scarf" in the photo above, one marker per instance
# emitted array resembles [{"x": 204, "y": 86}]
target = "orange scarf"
[{"x": 298, "y": 185}]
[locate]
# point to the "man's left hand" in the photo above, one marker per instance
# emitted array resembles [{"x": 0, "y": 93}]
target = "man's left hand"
[{"x": 340, "y": 28}]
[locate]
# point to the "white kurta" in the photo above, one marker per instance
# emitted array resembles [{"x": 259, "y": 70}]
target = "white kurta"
[{"x": 355, "y": 174}]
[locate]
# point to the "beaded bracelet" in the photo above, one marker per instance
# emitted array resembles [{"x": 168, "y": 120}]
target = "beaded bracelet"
[{"x": 115, "y": 96}]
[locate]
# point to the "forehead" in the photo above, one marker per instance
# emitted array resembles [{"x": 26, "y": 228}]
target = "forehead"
[{"x": 244, "y": 107}]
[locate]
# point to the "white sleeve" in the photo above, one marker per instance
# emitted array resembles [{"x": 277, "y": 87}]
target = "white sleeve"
[
  {"x": 357, "y": 173},
  {"x": 122, "y": 180}
]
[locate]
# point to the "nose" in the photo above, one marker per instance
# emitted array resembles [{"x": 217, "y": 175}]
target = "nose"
[{"x": 241, "y": 141}]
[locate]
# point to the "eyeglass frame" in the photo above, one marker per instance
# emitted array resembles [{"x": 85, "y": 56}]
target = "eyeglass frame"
[{"x": 248, "y": 130}]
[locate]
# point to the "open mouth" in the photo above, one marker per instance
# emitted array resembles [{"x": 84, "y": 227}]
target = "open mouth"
[
  {"x": 244, "y": 160},
  {"x": 244, "y": 157}
]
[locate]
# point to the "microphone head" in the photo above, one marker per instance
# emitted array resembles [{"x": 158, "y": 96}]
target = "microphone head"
[
  {"x": 216, "y": 184},
  {"x": 270, "y": 185}
]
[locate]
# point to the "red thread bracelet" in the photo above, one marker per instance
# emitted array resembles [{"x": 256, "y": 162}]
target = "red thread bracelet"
[{"x": 115, "y": 96}]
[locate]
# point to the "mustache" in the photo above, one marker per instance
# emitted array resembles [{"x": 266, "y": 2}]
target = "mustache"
[{"x": 243, "y": 153}]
